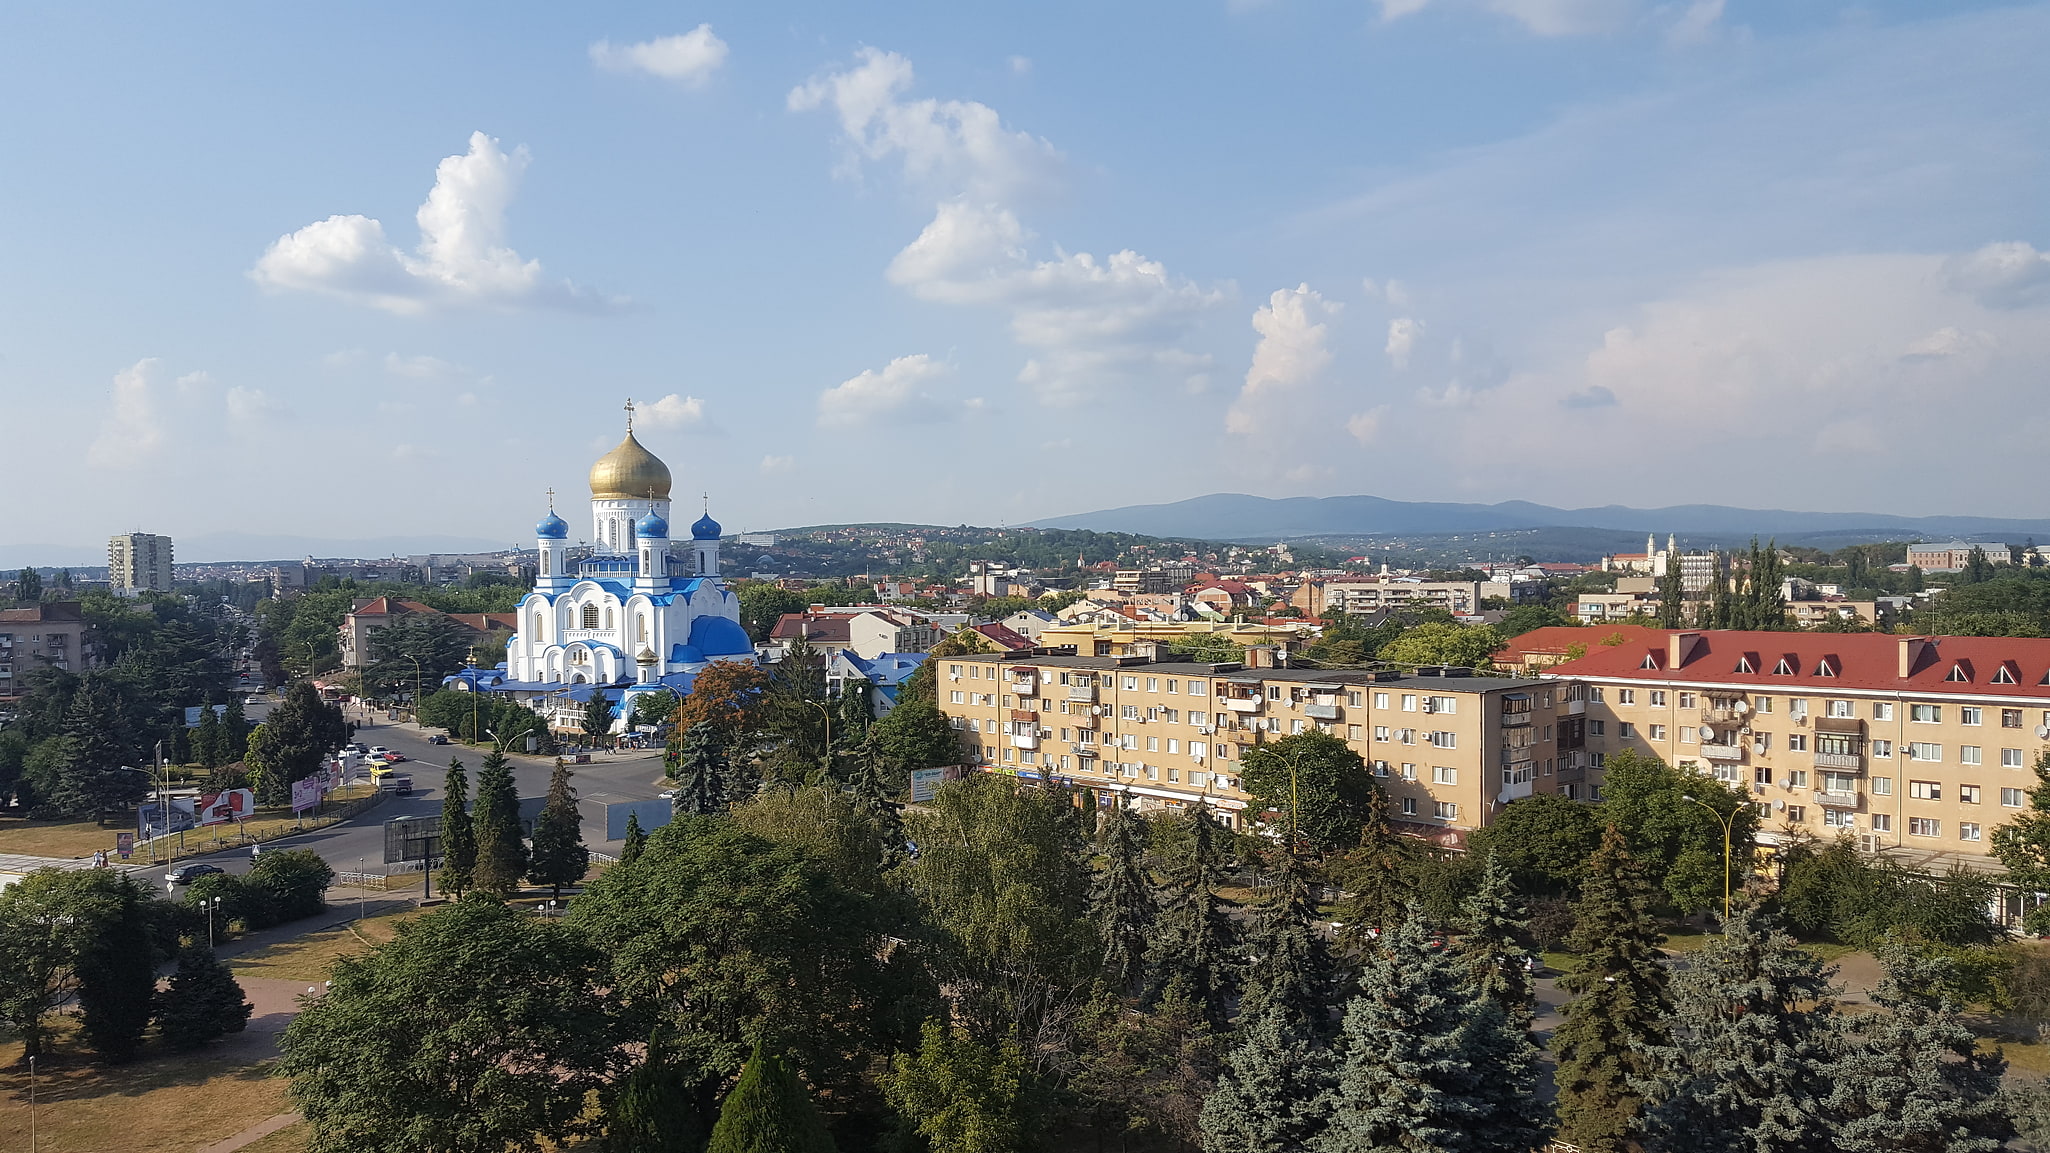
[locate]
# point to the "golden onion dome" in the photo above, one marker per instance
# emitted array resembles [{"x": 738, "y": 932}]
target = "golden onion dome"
[{"x": 629, "y": 472}]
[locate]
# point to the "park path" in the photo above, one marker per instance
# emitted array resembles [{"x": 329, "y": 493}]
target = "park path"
[{"x": 253, "y": 1134}]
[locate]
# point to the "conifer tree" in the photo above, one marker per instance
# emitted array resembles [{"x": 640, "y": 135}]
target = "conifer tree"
[
  {"x": 117, "y": 974},
  {"x": 501, "y": 852},
  {"x": 1498, "y": 1044},
  {"x": 768, "y": 1111},
  {"x": 559, "y": 857},
  {"x": 871, "y": 793},
  {"x": 1620, "y": 1004},
  {"x": 1290, "y": 970},
  {"x": 636, "y": 840},
  {"x": 1910, "y": 1079},
  {"x": 458, "y": 834},
  {"x": 654, "y": 1108},
  {"x": 1672, "y": 594},
  {"x": 1491, "y": 929},
  {"x": 1404, "y": 1080},
  {"x": 1274, "y": 1093},
  {"x": 1754, "y": 1032},
  {"x": 702, "y": 785},
  {"x": 1194, "y": 944},
  {"x": 1119, "y": 902},
  {"x": 206, "y": 739},
  {"x": 203, "y": 1001}
]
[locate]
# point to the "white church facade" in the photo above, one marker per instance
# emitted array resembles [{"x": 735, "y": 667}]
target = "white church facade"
[{"x": 631, "y": 616}]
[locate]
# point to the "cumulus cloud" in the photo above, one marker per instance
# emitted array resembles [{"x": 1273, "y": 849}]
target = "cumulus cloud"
[
  {"x": 773, "y": 464},
  {"x": 462, "y": 257},
  {"x": 689, "y": 59},
  {"x": 902, "y": 390},
  {"x": 133, "y": 429},
  {"x": 1365, "y": 427},
  {"x": 1290, "y": 354},
  {"x": 1402, "y": 333},
  {"x": 674, "y": 411},
  {"x": 2012, "y": 274},
  {"x": 250, "y": 405}
]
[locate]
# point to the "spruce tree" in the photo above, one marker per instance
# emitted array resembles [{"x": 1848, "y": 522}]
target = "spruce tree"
[
  {"x": 1119, "y": 902},
  {"x": 1404, "y": 1079},
  {"x": 206, "y": 739},
  {"x": 1910, "y": 1079},
  {"x": 501, "y": 853},
  {"x": 1290, "y": 969},
  {"x": 1194, "y": 942},
  {"x": 702, "y": 785},
  {"x": 636, "y": 840},
  {"x": 458, "y": 834},
  {"x": 202, "y": 1003},
  {"x": 1505, "y": 1058},
  {"x": 1274, "y": 1094},
  {"x": 559, "y": 857},
  {"x": 654, "y": 1108},
  {"x": 1620, "y": 1004},
  {"x": 871, "y": 793},
  {"x": 1491, "y": 929},
  {"x": 1754, "y": 1033},
  {"x": 768, "y": 1111},
  {"x": 117, "y": 973},
  {"x": 597, "y": 718}
]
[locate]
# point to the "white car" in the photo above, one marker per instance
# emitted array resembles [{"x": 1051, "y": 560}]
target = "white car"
[{"x": 378, "y": 750}]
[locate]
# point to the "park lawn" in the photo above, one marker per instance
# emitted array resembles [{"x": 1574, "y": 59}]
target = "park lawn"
[
  {"x": 308, "y": 956},
  {"x": 294, "y": 1138},
  {"x": 69, "y": 839},
  {"x": 171, "y": 1102}
]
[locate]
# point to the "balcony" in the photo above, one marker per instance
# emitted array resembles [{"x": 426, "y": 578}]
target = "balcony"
[
  {"x": 1725, "y": 714},
  {"x": 1031, "y": 742},
  {"x": 1024, "y": 687},
  {"x": 1855, "y": 762},
  {"x": 1838, "y": 800},
  {"x": 1723, "y": 752},
  {"x": 1515, "y": 720},
  {"x": 1083, "y": 750},
  {"x": 1242, "y": 704},
  {"x": 1082, "y": 693},
  {"x": 1321, "y": 712},
  {"x": 1576, "y": 708}
]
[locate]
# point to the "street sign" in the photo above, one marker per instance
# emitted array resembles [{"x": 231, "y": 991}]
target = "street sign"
[{"x": 409, "y": 839}]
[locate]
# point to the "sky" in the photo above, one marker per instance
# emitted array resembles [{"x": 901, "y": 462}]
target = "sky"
[{"x": 396, "y": 270}]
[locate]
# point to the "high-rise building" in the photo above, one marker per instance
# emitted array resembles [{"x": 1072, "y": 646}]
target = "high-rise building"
[{"x": 139, "y": 562}]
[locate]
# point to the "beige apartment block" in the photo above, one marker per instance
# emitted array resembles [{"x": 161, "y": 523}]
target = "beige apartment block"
[
  {"x": 1921, "y": 745},
  {"x": 139, "y": 562},
  {"x": 51, "y": 634},
  {"x": 1450, "y": 751},
  {"x": 1372, "y": 594}
]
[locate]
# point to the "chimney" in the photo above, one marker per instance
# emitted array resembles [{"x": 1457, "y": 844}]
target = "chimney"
[
  {"x": 1913, "y": 649},
  {"x": 1680, "y": 648}
]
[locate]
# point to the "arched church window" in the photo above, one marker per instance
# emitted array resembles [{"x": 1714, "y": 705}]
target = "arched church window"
[
  {"x": 608, "y": 618},
  {"x": 544, "y": 562},
  {"x": 540, "y": 628},
  {"x": 641, "y": 636},
  {"x": 647, "y": 559},
  {"x": 590, "y": 616}
]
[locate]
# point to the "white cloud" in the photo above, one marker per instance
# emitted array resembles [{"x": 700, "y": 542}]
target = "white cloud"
[
  {"x": 249, "y": 405},
  {"x": 2012, "y": 274},
  {"x": 689, "y": 59},
  {"x": 422, "y": 367},
  {"x": 462, "y": 257},
  {"x": 901, "y": 390},
  {"x": 1365, "y": 427},
  {"x": 1950, "y": 340},
  {"x": 674, "y": 411},
  {"x": 1021, "y": 65},
  {"x": 1289, "y": 356},
  {"x": 133, "y": 430},
  {"x": 773, "y": 464},
  {"x": 1549, "y": 17},
  {"x": 1402, "y": 333}
]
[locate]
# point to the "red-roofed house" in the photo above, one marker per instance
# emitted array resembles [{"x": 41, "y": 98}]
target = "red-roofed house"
[
  {"x": 1004, "y": 638},
  {"x": 375, "y": 613},
  {"x": 867, "y": 632}
]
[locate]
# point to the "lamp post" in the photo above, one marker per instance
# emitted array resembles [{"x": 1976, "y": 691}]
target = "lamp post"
[
  {"x": 210, "y": 904},
  {"x": 362, "y": 890},
  {"x": 1726, "y": 822},
  {"x": 416, "y": 687}
]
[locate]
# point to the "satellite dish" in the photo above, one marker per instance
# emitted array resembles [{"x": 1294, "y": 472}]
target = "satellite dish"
[
  {"x": 1095, "y": 710},
  {"x": 1741, "y": 708},
  {"x": 1779, "y": 804},
  {"x": 2043, "y": 732},
  {"x": 1707, "y": 734}
]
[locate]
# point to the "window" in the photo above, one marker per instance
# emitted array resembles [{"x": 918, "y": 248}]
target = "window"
[
  {"x": 1924, "y": 827},
  {"x": 1968, "y": 830},
  {"x": 1380, "y": 732},
  {"x": 1441, "y": 704},
  {"x": 1796, "y": 814},
  {"x": 1686, "y": 700},
  {"x": 1838, "y": 708},
  {"x": 1658, "y": 698},
  {"x": 1882, "y": 822},
  {"x": 1198, "y": 689},
  {"x": 1408, "y": 771},
  {"x": 2010, "y": 758},
  {"x": 1597, "y": 759},
  {"x": 959, "y": 696},
  {"x": 1882, "y": 786},
  {"x": 1353, "y": 699},
  {"x": 1352, "y": 732},
  {"x": 1797, "y": 778},
  {"x": 1380, "y": 700},
  {"x": 1295, "y": 726},
  {"x": 2013, "y": 798},
  {"x": 1409, "y": 702},
  {"x": 1761, "y": 774},
  {"x": 539, "y": 628},
  {"x": 1625, "y": 729},
  {"x": 1968, "y": 754},
  {"x": 590, "y": 616},
  {"x": 1626, "y": 696},
  {"x": 1152, "y": 744},
  {"x": 1152, "y": 684},
  {"x": 1406, "y": 736},
  {"x": 1764, "y": 704},
  {"x": 1968, "y": 794},
  {"x": 1797, "y": 706},
  {"x": 1838, "y": 819},
  {"x": 1839, "y": 782},
  {"x": 1924, "y": 751},
  {"x": 1409, "y": 806},
  {"x": 1656, "y": 732},
  {"x": 1132, "y": 683},
  {"x": 1971, "y": 714},
  {"x": 1445, "y": 811},
  {"x": 1444, "y": 775},
  {"x": 1882, "y": 710},
  {"x": 1797, "y": 742},
  {"x": 1925, "y": 714},
  {"x": 1597, "y": 728},
  {"x": 1925, "y": 790},
  {"x": 1380, "y": 768},
  {"x": 1882, "y": 748},
  {"x": 1172, "y": 685},
  {"x": 1595, "y": 694},
  {"x": 1444, "y": 740},
  {"x": 2010, "y": 718}
]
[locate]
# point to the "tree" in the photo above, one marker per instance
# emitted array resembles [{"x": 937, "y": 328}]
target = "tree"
[
  {"x": 917, "y": 735},
  {"x": 293, "y": 881},
  {"x": 1672, "y": 595},
  {"x": 203, "y": 1002},
  {"x": 501, "y": 852},
  {"x": 1619, "y": 1008},
  {"x": 1274, "y": 1094},
  {"x": 962, "y": 1095},
  {"x": 1543, "y": 840},
  {"x": 1911, "y": 1079},
  {"x": 870, "y": 791},
  {"x": 767, "y": 1111},
  {"x": 1978, "y": 568},
  {"x": 1312, "y": 785},
  {"x": 1119, "y": 902},
  {"x": 1491, "y": 930},
  {"x": 43, "y": 929},
  {"x": 458, "y": 833},
  {"x": 293, "y": 740},
  {"x": 1291, "y": 971},
  {"x": 559, "y": 857},
  {"x": 703, "y": 788},
  {"x": 728, "y": 695},
  {"x": 654, "y": 1108},
  {"x": 417, "y": 650},
  {"x": 397, "y": 1056},
  {"x": 1146, "y": 1074},
  {"x": 651, "y": 709},
  {"x": 1443, "y": 643},
  {"x": 90, "y": 768},
  {"x": 1525, "y": 618},
  {"x": 597, "y": 718},
  {"x": 207, "y": 743},
  {"x": 1678, "y": 843},
  {"x": 1194, "y": 946},
  {"x": 117, "y": 975},
  {"x": 1753, "y": 1033},
  {"x": 762, "y": 604},
  {"x": 636, "y": 840},
  {"x": 2023, "y": 842},
  {"x": 28, "y": 586}
]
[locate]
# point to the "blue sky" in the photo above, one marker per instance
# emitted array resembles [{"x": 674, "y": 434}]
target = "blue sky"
[{"x": 390, "y": 271}]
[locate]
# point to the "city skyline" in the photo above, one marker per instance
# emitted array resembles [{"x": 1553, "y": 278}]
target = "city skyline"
[{"x": 1424, "y": 250}]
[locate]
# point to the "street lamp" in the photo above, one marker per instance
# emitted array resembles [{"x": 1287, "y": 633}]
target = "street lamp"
[
  {"x": 362, "y": 890},
  {"x": 416, "y": 687},
  {"x": 1726, "y": 822},
  {"x": 470, "y": 663},
  {"x": 210, "y": 904}
]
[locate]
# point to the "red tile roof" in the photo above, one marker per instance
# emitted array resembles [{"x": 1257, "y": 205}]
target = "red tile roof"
[
  {"x": 1004, "y": 637},
  {"x": 828, "y": 629},
  {"x": 1947, "y": 666}
]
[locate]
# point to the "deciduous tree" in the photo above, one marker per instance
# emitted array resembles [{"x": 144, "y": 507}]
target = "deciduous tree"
[{"x": 1311, "y": 784}]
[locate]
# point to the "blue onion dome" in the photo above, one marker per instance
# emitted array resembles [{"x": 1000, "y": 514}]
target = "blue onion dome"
[
  {"x": 552, "y": 527},
  {"x": 705, "y": 529},
  {"x": 652, "y": 525}
]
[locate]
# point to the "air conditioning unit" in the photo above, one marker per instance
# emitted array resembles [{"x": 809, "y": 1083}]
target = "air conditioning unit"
[{"x": 1429, "y": 707}]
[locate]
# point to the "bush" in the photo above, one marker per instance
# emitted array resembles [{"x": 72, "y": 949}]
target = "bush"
[
  {"x": 203, "y": 1002},
  {"x": 297, "y": 880}
]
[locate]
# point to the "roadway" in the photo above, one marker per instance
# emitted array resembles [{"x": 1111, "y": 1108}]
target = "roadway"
[{"x": 358, "y": 845}]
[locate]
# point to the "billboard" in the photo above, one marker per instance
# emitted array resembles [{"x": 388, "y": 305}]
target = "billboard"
[
  {"x": 233, "y": 805},
  {"x": 306, "y": 792},
  {"x": 151, "y": 821},
  {"x": 412, "y": 839},
  {"x": 653, "y": 815},
  {"x": 124, "y": 844},
  {"x": 924, "y": 782}
]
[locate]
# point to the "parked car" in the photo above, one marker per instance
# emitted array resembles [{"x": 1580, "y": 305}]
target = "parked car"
[
  {"x": 187, "y": 873},
  {"x": 378, "y": 750},
  {"x": 437, "y": 739},
  {"x": 394, "y": 758},
  {"x": 399, "y": 783}
]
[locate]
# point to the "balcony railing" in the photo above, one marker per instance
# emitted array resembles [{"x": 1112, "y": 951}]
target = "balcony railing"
[
  {"x": 1513, "y": 720},
  {"x": 1723, "y": 752},
  {"x": 1243, "y": 704},
  {"x": 1321, "y": 712},
  {"x": 1031, "y": 742},
  {"x": 1839, "y": 800},
  {"x": 1082, "y": 693},
  {"x": 1852, "y": 761},
  {"x": 1720, "y": 714}
]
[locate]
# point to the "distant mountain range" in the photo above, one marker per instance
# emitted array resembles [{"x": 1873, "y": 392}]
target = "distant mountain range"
[
  {"x": 211, "y": 548},
  {"x": 1238, "y": 517}
]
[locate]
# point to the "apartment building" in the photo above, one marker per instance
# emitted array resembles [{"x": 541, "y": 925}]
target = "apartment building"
[
  {"x": 1372, "y": 594},
  {"x": 1922, "y": 745},
  {"x": 868, "y": 631},
  {"x": 1951, "y": 556},
  {"x": 52, "y": 633},
  {"x": 138, "y": 562},
  {"x": 1449, "y": 750},
  {"x": 1167, "y": 578}
]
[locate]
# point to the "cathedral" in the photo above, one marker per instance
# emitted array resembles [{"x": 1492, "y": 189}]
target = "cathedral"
[{"x": 634, "y": 612}]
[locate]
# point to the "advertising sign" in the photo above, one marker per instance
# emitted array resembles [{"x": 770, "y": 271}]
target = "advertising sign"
[
  {"x": 124, "y": 844},
  {"x": 924, "y": 782},
  {"x": 408, "y": 839},
  {"x": 150, "y": 820},
  {"x": 306, "y": 792},
  {"x": 233, "y": 805}
]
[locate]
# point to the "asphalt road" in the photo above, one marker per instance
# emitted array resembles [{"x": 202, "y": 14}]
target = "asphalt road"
[{"x": 358, "y": 845}]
